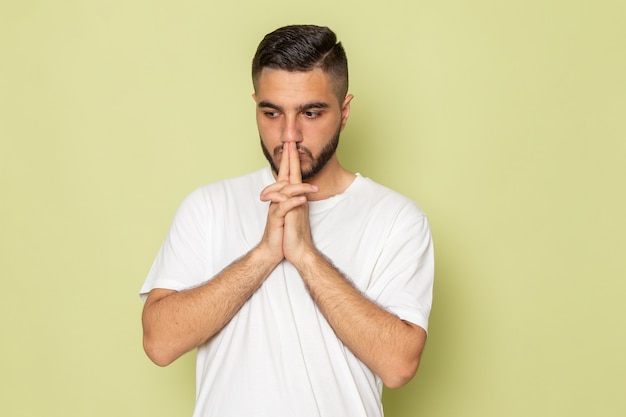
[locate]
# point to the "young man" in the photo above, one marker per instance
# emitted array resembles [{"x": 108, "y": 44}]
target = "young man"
[{"x": 303, "y": 286}]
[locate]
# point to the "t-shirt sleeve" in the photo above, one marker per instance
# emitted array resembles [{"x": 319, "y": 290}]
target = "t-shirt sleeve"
[
  {"x": 405, "y": 269},
  {"x": 181, "y": 261}
]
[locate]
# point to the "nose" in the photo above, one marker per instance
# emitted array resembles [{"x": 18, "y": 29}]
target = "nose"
[{"x": 291, "y": 131}]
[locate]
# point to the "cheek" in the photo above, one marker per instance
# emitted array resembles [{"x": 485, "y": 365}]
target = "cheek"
[
  {"x": 266, "y": 130},
  {"x": 327, "y": 130},
  {"x": 259, "y": 121}
]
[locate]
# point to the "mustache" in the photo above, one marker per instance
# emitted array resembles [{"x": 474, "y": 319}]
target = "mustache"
[{"x": 279, "y": 150}]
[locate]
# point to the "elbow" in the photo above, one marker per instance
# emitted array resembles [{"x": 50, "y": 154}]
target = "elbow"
[
  {"x": 400, "y": 374},
  {"x": 403, "y": 367},
  {"x": 157, "y": 352}
]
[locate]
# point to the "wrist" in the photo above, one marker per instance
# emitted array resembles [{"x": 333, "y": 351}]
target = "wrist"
[
  {"x": 307, "y": 259},
  {"x": 263, "y": 256}
]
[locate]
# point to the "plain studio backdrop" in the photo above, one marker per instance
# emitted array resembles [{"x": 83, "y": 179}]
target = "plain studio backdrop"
[{"x": 504, "y": 120}]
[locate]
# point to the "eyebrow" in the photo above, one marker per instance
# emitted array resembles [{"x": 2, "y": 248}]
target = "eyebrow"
[{"x": 303, "y": 107}]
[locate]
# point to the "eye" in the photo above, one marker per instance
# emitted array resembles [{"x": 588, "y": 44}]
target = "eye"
[
  {"x": 311, "y": 114},
  {"x": 271, "y": 114}
]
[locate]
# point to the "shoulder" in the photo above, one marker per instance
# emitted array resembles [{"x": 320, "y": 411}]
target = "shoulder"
[
  {"x": 402, "y": 216},
  {"x": 252, "y": 182},
  {"x": 212, "y": 196},
  {"x": 382, "y": 197}
]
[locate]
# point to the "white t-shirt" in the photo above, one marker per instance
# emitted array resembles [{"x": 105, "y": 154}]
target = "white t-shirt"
[{"x": 278, "y": 357}]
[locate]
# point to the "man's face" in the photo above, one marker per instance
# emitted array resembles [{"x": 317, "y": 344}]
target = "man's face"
[{"x": 299, "y": 107}]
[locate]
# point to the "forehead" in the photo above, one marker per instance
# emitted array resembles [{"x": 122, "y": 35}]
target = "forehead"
[{"x": 286, "y": 86}]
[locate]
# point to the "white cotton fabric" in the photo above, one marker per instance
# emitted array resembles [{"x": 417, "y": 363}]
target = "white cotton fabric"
[{"x": 278, "y": 357}]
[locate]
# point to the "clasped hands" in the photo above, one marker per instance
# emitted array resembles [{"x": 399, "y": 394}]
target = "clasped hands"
[{"x": 287, "y": 231}]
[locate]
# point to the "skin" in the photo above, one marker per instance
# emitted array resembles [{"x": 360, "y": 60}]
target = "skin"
[
  {"x": 298, "y": 115},
  {"x": 302, "y": 108}
]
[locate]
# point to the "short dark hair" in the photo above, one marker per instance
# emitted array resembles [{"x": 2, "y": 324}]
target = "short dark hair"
[{"x": 303, "y": 48}]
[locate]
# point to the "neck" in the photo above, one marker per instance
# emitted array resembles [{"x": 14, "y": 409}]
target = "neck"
[{"x": 333, "y": 179}]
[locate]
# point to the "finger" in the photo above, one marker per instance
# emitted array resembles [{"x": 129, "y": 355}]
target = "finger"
[
  {"x": 272, "y": 188},
  {"x": 295, "y": 176},
  {"x": 274, "y": 197},
  {"x": 283, "y": 170},
  {"x": 280, "y": 192},
  {"x": 281, "y": 209}
]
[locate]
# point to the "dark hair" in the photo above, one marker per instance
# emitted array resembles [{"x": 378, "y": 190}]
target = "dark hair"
[{"x": 303, "y": 48}]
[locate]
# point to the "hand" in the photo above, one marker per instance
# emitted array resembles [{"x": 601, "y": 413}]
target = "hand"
[
  {"x": 287, "y": 226},
  {"x": 297, "y": 231}
]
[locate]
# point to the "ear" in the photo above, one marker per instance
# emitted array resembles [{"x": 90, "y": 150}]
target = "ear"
[
  {"x": 345, "y": 110},
  {"x": 254, "y": 97}
]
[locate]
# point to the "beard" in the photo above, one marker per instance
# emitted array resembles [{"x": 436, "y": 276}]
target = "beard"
[{"x": 317, "y": 163}]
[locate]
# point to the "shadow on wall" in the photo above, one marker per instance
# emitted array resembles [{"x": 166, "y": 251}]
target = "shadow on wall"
[
  {"x": 443, "y": 354},
  {"x": 360, "y": 145}
]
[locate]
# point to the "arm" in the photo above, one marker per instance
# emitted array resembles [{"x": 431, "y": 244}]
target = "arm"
[
  {"x": 177, "y": 322},
  {"x": 388, "y": 345}
]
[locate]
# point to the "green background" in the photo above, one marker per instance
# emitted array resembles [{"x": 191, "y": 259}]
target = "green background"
[{"x": 503, "y": 119}]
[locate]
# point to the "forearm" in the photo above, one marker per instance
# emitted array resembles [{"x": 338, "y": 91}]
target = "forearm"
[
  {"x": 177, "y": 322},
  {"x": 388, "y": 345}
]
